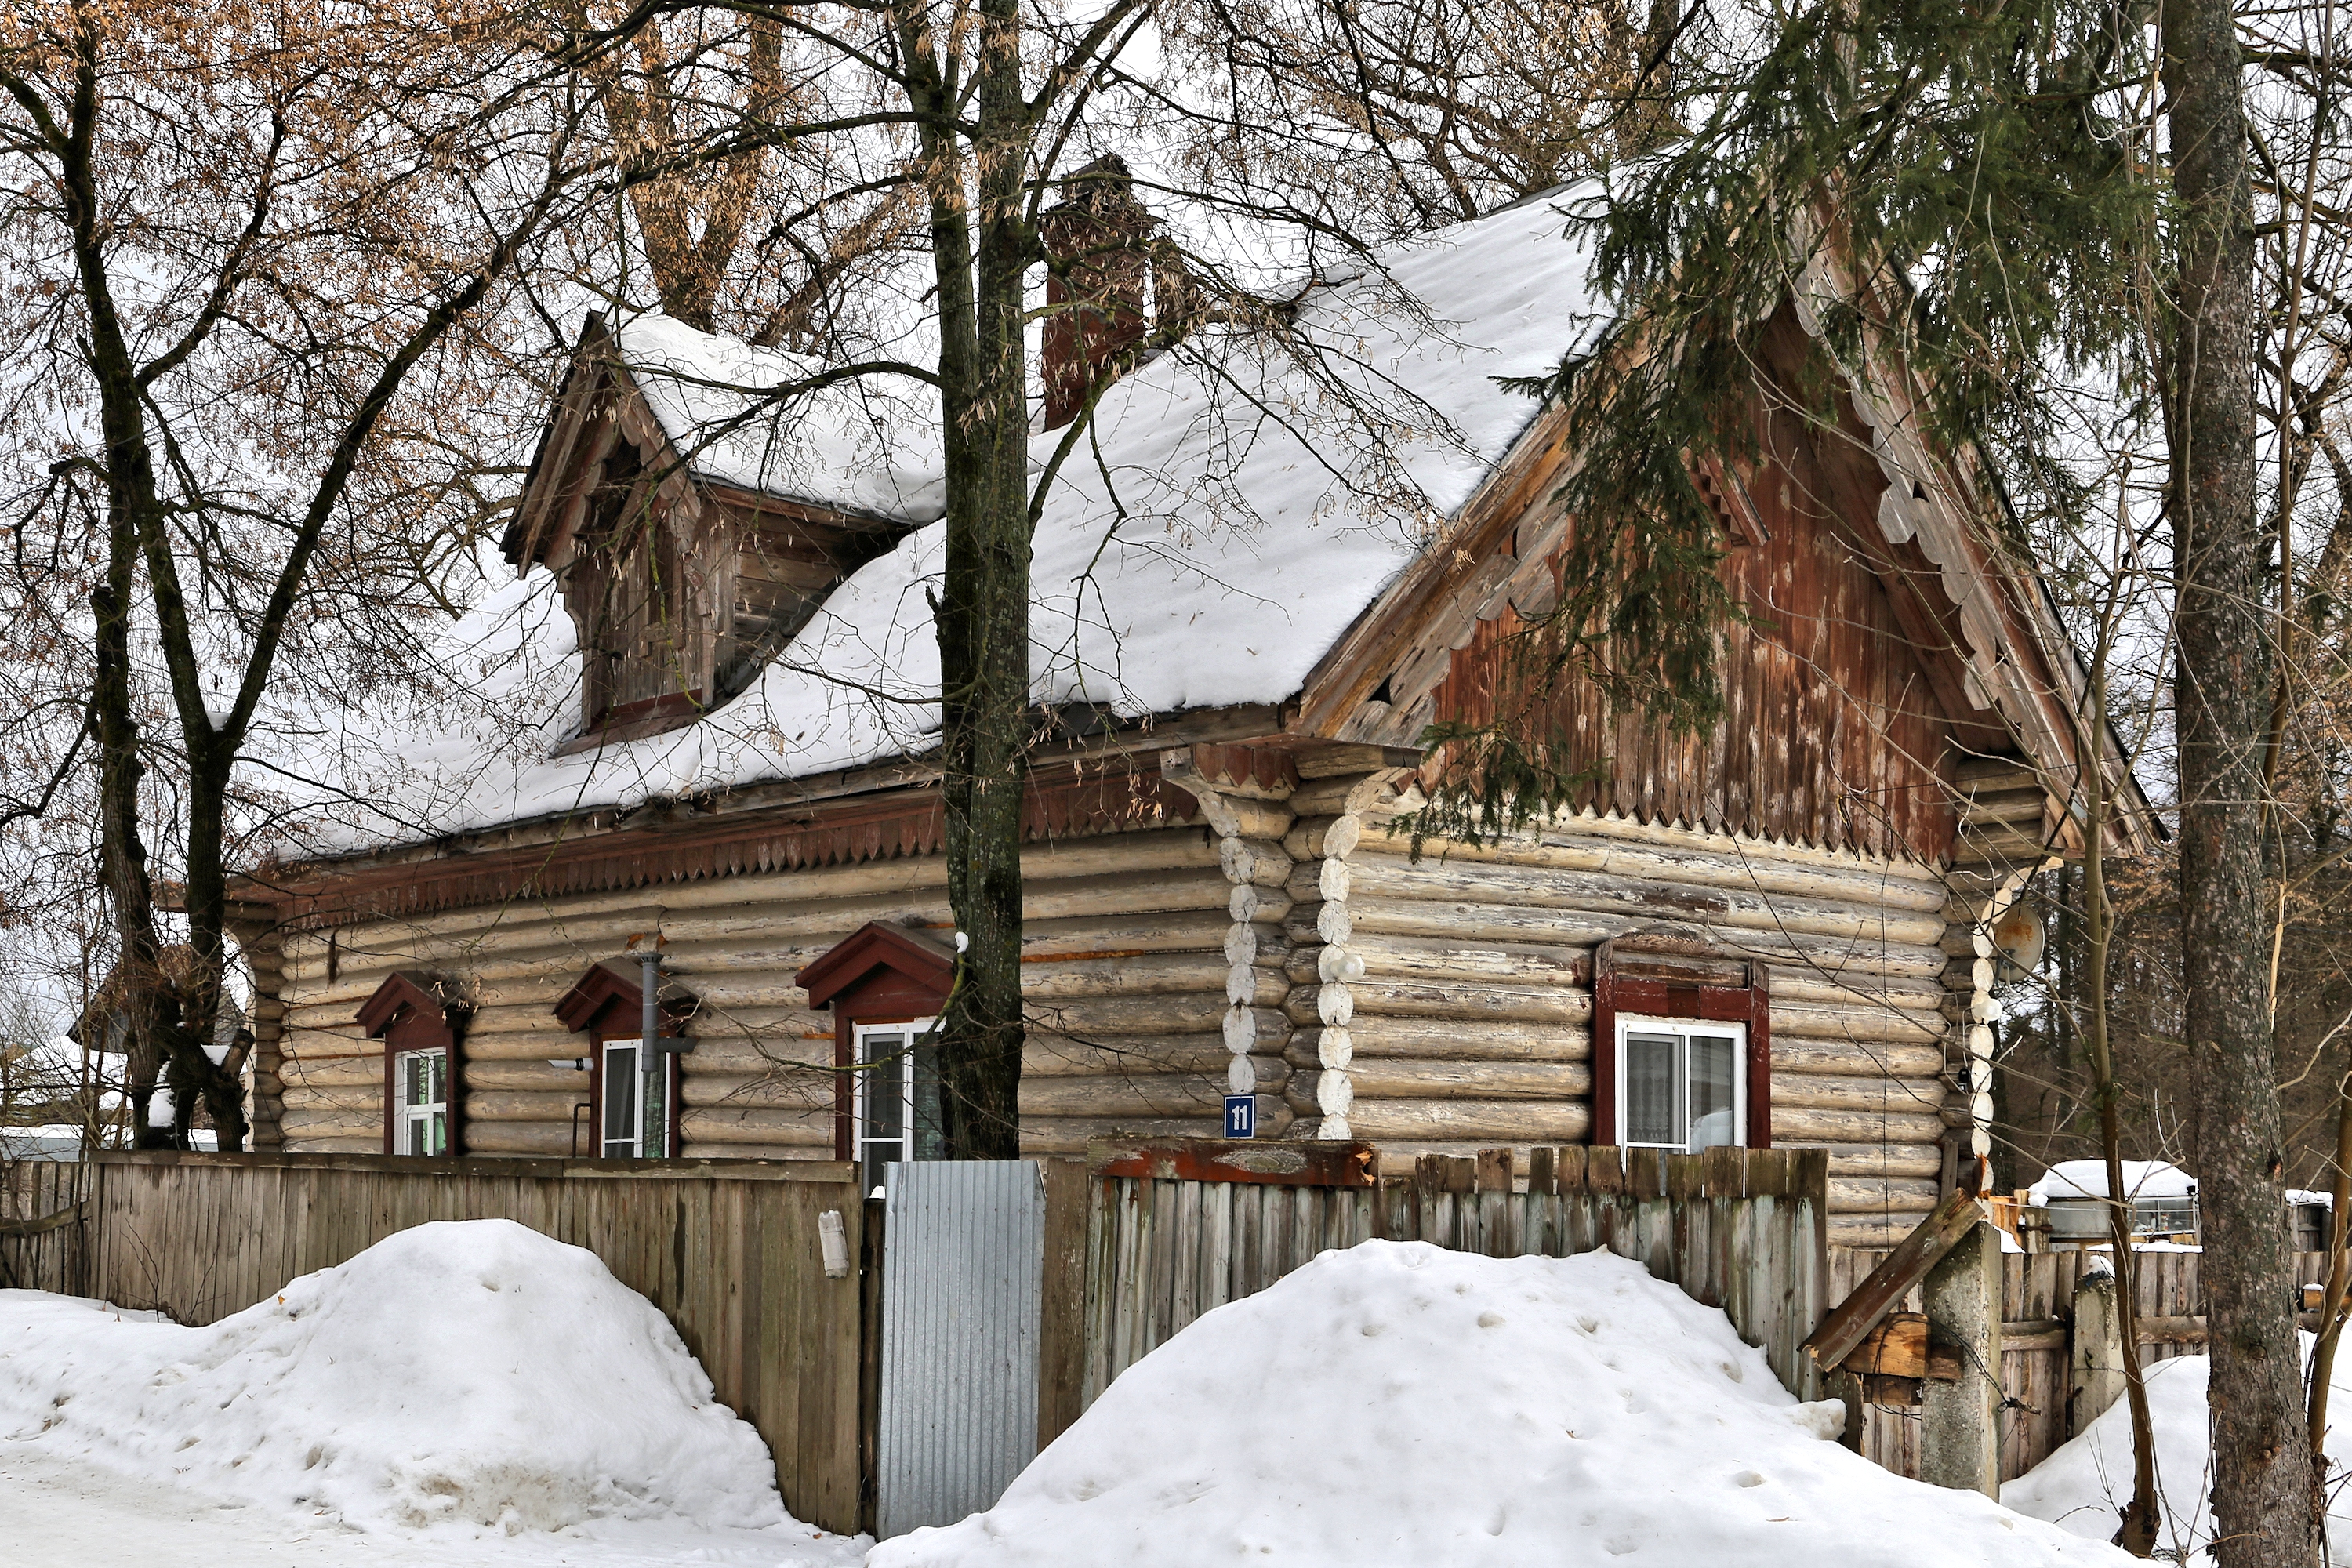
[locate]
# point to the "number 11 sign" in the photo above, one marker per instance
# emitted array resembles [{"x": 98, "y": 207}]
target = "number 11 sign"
[{"x": 1241, "y": 1115}]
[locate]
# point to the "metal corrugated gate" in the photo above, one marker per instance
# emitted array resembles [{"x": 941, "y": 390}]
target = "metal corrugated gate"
[{"x": 963, "y": 1242}]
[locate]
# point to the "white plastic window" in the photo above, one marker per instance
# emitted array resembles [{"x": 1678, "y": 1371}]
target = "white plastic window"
[
  {"x": 636, "y": 1122},
  {"x": 1681, "y": 1084},
  {"x": 421, "y": 1102},
  {"x": 895, "y": 1099}
]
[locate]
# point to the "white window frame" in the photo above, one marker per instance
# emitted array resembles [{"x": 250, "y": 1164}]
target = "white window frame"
[
  {"x": 1682, "y": 1030},
  {"x": 631, "y": 1147},
  {"x": 862, "y": 1081},
  {"x": 408, "y": 1118}
]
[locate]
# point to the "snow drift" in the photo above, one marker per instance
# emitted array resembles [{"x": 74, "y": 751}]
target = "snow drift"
[
  {"x": 1399, "y": 1404},
  {"x": 475, "y": 1373},
  {"x": 2084, "y": 1486}
]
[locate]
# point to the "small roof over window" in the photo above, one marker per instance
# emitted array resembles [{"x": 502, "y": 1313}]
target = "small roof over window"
[
  {"x": 916, "y": 959},
  {"x": 404, "y": 992},
  {"x": 611, "y": 996}
]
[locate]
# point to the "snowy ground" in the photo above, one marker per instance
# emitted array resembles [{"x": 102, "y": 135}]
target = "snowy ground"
[
  {"x": 67, "y": 1513},
  {"x": 2084, "y": 1486},
  {"x": 1398, "y": 1404}
]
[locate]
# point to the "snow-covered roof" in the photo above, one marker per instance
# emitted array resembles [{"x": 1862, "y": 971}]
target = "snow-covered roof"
[
  {"x": 766, "y": 420},
  {"x": 1232, "y": 511},
  {"x": 2072, "y": 1179}
]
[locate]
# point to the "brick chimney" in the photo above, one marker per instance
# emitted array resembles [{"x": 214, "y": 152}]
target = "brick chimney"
[{"x": 1097, "y": 238}]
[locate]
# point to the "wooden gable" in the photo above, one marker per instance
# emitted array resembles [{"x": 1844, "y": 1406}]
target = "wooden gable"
[
  {"x": 680, "y": 588},
  {"x": 1897, "y": 692}
]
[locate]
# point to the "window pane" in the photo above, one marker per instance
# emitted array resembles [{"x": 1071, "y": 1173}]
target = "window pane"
[
  {"x": 412, "y": 1080},
  {"x": 440, "y": 1094},
  {"x": 884, "y": 1110},
  {"x": 413, "y": 1140},
  {"x": 930, "y": 1126},
  {"x": 1713, "y": 1060},
  {"x": 877, "y": 1153},
  {"x": 620, "y": 1099},
  {"x": 1651, "y": 1115},
  {"x": 440, "y": 1132},
  {"x": 655, "y": 1085}
]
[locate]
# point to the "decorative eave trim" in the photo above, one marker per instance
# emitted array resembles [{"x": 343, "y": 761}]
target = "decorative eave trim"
[{"x": 851, "y": 830}]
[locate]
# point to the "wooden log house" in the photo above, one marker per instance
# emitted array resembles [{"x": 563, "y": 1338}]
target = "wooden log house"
[{"x": 1776, "y": 934}]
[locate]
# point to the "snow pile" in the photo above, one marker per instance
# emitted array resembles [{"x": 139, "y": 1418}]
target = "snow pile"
[
  {"x": 2084, "y": 1486},
  {"x": 2088, "y": 1179},
  {"x": 466, "y": 1373},
  {"x": 1398, "y": 1404}
]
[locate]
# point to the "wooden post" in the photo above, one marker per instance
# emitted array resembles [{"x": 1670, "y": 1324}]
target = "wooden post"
[
  {"x": 869, "y": 1363},
  {"x": 1959, "y": 1403},
  {"x": 1063, "y": 1311},
  {"x": 2094, "y": 1353}
]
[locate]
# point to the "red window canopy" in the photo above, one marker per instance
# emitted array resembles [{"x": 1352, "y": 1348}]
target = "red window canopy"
[
  {"x": 884, "y": 966},
  {"x": 610, "y": 999},
  {"x": 413, "y": 1002}
]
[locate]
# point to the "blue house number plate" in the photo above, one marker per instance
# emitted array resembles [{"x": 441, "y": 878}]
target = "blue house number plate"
[{"x": 1241, "y": 1115}]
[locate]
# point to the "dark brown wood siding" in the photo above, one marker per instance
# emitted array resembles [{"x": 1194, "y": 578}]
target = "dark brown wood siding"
[{"x": 1831, "y": 736}]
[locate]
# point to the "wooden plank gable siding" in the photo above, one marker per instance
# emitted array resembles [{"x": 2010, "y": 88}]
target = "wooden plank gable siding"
[{"x": 1832, "y": 733}]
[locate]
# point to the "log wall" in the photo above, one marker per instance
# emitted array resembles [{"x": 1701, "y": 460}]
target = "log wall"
[
  {"x": 1284, "y": 944},
  {"x": 1455, "y": 997},
  {"x": 1124, "y": 966}
]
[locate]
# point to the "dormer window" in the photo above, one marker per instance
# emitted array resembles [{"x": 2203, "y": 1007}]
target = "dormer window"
[
  {"x": 645, "y": 634},
  {"x": 685, "y": 557}
]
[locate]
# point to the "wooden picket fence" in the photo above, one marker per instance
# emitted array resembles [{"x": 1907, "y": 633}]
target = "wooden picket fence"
[
  {"x": 2037, "y": 1324},
  {"x": 1175, "y": 1230},
  {"x": 44, "y": 1226},
  {"x": 728, "y": 1250},
  {"x": 1140, "y": 1240}
]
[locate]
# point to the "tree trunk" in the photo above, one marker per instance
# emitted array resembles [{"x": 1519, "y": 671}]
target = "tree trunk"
[
  {"x": 983, "y": 605},
  {"x": 2142, "y": 1514},
  {"x": 2264, "y": 1486}
]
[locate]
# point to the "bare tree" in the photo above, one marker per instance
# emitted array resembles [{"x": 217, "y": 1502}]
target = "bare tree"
[{"x": 252, "y": 254}]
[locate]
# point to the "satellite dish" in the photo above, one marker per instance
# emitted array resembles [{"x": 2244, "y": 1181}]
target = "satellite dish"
[{"x": 2019, "y": 937}]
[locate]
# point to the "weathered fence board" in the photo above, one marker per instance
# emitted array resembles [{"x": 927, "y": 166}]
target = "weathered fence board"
[
  {"x": 44, "y": 1226},
  {"x": 727, "y": 1250},
  {"x": 1741, "y": 1229},
  {"x": 2037, "y": 1313}
]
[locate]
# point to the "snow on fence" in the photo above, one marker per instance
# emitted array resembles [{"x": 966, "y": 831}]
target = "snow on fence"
[
  {"x": 1175, "y": 1229},
  {"x": 729, "y": 1252},
  {"x": 2037, "y": 1339},
  {"x": 43, "y": 1226}
]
